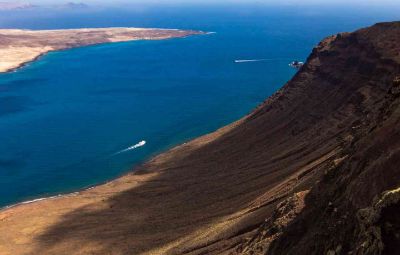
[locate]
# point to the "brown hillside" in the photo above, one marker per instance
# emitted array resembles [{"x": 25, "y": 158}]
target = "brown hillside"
[{"x": 290, "y": 178}]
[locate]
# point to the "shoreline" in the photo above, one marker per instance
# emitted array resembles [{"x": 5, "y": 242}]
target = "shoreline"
[
  {"x": 132, "y": 170},
  {"x": 24, "y": 64},
  {"x": 83, "y": 189},
  {"x": 17, "y": 43},
  {"x": 38, "y": 200},
  {"x": 37, "y": 58},
  {"x": 122, "y": 175},
  {"x": 254, "y": 185}
]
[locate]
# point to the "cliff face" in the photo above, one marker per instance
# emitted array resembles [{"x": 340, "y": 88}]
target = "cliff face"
[
  {"x": 313, "y": 170},
  {"x": 353, "y": 83}
]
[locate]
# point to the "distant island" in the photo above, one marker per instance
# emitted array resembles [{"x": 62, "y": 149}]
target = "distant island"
[
  {"x": 18, "y": 47},
  {"x": 9, "y": 6}
]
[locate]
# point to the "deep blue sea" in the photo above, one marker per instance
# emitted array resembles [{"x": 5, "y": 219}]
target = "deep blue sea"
[{"x": 64, "y": 117}]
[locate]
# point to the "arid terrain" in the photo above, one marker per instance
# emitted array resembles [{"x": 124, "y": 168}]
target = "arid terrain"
[
  {"x": 17, "y": 47},
  {"x": 312, "y": 170}
]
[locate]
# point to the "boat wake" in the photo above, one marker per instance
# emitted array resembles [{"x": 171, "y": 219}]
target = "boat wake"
[
  {"x": 257, "y": 60},
  {"x": 139, "y": 144},
  {"x": 249, "y": 60}
]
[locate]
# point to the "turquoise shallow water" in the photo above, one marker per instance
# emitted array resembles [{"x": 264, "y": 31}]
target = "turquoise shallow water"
[{"x": 64, "y": 118}]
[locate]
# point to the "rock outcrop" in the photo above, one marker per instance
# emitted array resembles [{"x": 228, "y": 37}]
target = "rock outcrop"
[{"x": 352, "y": 208}]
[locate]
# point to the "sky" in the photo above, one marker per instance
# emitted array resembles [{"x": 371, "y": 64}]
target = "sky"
[{"x": 269, "y": 2}]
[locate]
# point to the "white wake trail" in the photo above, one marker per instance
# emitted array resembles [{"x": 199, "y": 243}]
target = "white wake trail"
[
  {"x": 258, "y": 60},
  {"x": 139, "y": 144},
  {"x": 249, "y": 60}
]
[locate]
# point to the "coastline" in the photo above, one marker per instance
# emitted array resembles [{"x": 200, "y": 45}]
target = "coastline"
[
  {"x": 19, "y": 53},
  {"x": 55, "y": 208},
  {"x": 79, "y": 191},
  {"x": 38, "y": 199},
  {"x": 23, "y": 64},
  {"x": 293, "y": 169},
  {"x": 128, "y": 173},
  {"x": 42, "y": 54}
]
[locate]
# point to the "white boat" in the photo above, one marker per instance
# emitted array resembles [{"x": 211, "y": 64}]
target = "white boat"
[{"x": 296, "y": 64}]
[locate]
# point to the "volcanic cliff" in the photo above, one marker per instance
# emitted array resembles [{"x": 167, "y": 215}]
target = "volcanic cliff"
[
  {"x": 313, "y": 170},
  {"x": 354, "y": 205}
]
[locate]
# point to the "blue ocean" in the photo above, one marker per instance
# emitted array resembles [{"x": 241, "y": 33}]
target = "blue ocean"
[{"x": 72, "y": 119}]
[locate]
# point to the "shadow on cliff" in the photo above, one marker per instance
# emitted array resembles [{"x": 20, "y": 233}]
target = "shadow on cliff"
[
  {"x": 198, "y": 186},
  {"x": 195, "y": 188},
  {"x": 344, "y": 81}
]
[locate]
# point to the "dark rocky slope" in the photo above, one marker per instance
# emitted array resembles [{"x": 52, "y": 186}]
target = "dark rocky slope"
[
  {"x": 354, "y": 208},
  {"x": 305, "y": 173}
]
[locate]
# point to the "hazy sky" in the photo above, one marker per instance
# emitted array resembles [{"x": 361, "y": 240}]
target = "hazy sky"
[{"x": 274, "y": 2}]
